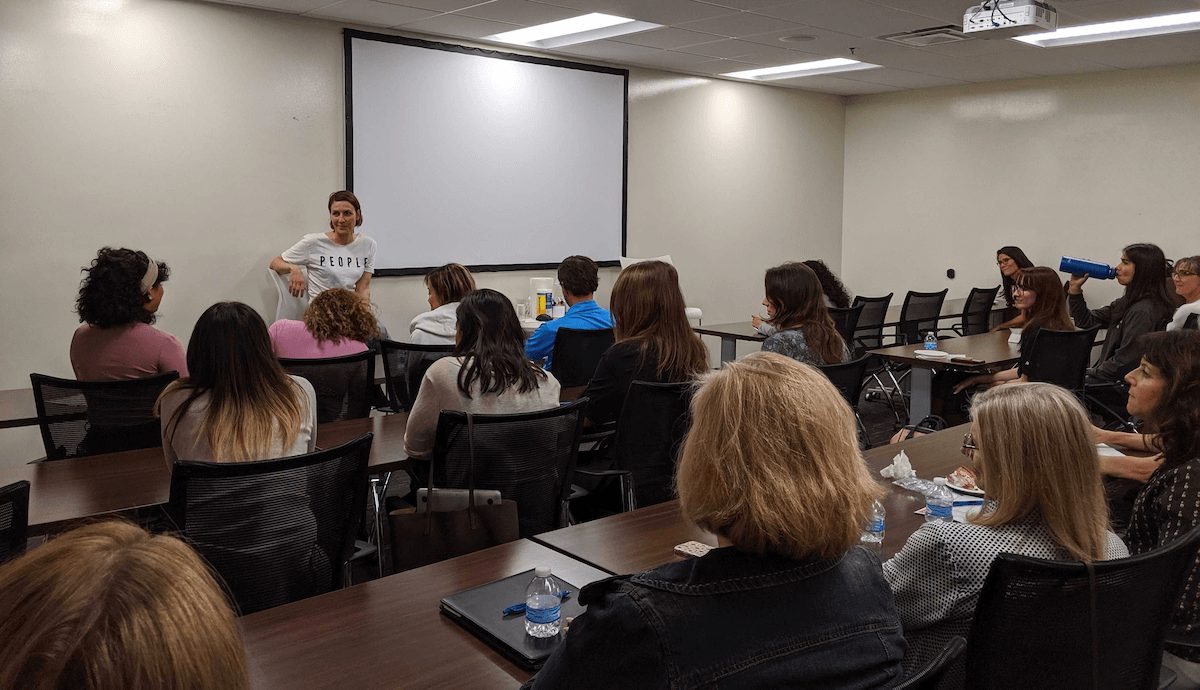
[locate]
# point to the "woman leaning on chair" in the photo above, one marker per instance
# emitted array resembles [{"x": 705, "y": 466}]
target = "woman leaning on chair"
[
  {"x": 237, "y": 403},
  {"x": 118, "y": 301},
  {"x": 1164, "y": 390},
  {"x": 654, "y": 341},
  {"x": 1033, "y": 453},
  {"x": 488, "y": 373},
  {"x": 772, "y": 466},
  {"x": 108, "y": 605},
  {"x": 798, "y": 321},
  {"x": 336, "y": 323}
]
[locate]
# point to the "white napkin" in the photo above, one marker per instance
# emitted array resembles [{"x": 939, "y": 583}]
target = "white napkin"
[{"x": 900, "y": 468}]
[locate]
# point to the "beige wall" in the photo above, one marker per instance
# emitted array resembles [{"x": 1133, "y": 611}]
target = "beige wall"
[
  {"x": 1079, "y": 165},
  {"x": 210, "y": 135}
]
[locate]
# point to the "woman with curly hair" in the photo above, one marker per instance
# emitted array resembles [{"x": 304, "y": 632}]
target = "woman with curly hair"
[
  {"x": 118, "y": 299},
  {"x": 336, "y": 323},
  {"x": 831, "y": 287}
]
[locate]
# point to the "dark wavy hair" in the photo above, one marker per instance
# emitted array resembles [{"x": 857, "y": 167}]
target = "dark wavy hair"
[
  {"x": 830, "y": 285},
  {"x": 796, "y": 293},
  {"x": 491, "y": 344},
  {"x": 111, "y": 291},
  {"x": 579, "y": 275},
  {"x": 1151, "y": 278},
  {"x": 1176, "y": 417},
  {"x": 1006, "y": 283}
]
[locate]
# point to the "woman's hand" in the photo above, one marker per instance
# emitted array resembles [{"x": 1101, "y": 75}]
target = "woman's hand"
[
  {"x": 1102, "y": 435},
  {"x": 296, "y": 284},
  {"x": 972, "y": 381},
  {"x": 755, "y": 320},
  {"x": 1075, "y": 284}
]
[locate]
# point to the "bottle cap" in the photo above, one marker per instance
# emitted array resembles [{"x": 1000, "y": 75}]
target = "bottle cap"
[
  {"x": 940, "y": 481},
  {"x": 542, "y": 571}
]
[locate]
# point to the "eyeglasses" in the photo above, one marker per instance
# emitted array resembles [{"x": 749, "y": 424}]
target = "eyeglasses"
[
  {"x": 968, "y": 446},
  {"x": 1021, "y": 288},
  {"x": 1180, "y": 275}
]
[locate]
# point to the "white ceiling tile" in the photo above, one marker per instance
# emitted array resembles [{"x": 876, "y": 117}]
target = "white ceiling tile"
[
  {"x": 1134, "y": 53},
  {"x": 834, "y": 85},
  {"x": 747, "y": 4},
  {"x": 370, "y": 12},
  {"x": 666, "y": 38},
  {"x": 293, "y": 6},
  {"x": 1090, "y": 12},
  {"x": 609, "y": 51},
  {"x": 900, "y": 78},
  {"x": 750, "y": 52},
  {"x": 669, "y": 59},
  {"x": 740, "y": 24},
  {"x": 665, "y": 12},
  {"x": 825, "y": 42},
  {"x": 945, "y": 11},
  {"x": 435, "y": 5},
  {"x": 520, "y": 12},
  {"x": 459, "y": 26},
  {"x": 854, "y": 17}
]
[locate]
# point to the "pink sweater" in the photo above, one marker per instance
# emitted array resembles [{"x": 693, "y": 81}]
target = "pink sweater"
[
  {"x": 125, "y": 352},
  {"x": 292, "y": 340}
]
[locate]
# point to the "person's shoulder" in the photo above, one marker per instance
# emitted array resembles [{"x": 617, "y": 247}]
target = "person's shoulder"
[
  {"x": 444, "y": 367},
  {"x": 145, "y": 330},
  {"x": 1113, "y": 546},
  {"x": 305, "y": 385},
  {"x": 283, "y": 326},
  {"x": 364, "y": 241}
]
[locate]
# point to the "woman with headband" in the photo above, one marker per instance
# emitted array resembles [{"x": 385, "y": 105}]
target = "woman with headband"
[{"x": 118, "y": 299}]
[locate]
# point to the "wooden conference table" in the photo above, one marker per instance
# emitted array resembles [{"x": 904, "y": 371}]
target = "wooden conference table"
[
  {"x": 993, "y": 351},
  {"x": 389, "y": 632}
]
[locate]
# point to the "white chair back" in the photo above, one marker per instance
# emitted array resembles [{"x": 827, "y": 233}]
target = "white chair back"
[{"x": 289, "y": 306}]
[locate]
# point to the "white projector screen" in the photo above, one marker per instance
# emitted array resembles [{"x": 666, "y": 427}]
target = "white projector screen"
[{"x": 493, "y": 160}]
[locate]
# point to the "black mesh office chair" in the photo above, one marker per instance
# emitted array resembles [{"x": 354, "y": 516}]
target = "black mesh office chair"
[
  {"x": 344, "y": 385},
  {"x": 976, "y": 316},
  {"x": 14, "y": 519},
  {"x": 919, "y": 315},
  {"x": 654, "y": 419},
  {"x": 849, "y": 378},
  {"x": 1061, "y": 357},
  {"x": 80, "y": 418},
  {"x": 404, "y": 366},
  {"x": 275, "y": 530},
  {"x": 931, "y": 675},
  {"x": 528, "y": 457},
  {"x": 868, "y": 335},
  {"x": 846, "y": 321},
  {"x": 1054, "y": 624},
  {"x": 577, "y": 352}
]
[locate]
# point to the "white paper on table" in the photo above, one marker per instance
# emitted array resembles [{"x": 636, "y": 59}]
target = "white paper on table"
[{"x": 1105, "y": 449}]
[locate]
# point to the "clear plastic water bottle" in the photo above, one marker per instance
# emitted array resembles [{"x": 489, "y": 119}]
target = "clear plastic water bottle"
[
  {"x": 872, "y": 536},
  {"x": 931, "y": 341},
  {"x": 939, "y": 502},
  {"x": 542, "y": 604}
]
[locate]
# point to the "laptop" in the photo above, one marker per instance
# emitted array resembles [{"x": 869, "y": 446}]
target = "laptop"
[{"x": 478, "y": 610}]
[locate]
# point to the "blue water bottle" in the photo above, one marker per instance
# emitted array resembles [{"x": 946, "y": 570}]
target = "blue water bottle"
[{"x": 1084, "y": 267}]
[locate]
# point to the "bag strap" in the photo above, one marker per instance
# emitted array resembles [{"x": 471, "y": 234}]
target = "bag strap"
[{"x": 471, "y": 469}]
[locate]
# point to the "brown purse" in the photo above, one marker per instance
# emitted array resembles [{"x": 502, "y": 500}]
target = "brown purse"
[{"x": 422, "y": 538}]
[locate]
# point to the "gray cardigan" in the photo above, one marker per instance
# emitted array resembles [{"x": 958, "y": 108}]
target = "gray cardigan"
[{"x": 1125, "y": 322}]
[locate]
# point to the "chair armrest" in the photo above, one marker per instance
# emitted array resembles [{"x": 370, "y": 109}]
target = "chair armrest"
[
  {"x": 600, "y": 474},
  {"x": 624, "y": 477}
]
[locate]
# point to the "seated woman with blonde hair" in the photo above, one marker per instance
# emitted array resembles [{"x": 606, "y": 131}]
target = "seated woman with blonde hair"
[
  {"x": 336, "y": 323},
  {"x": 772, "y": 466},
  {"x": 1034, "y": 457},
  {"x": 108, "y": 605}
]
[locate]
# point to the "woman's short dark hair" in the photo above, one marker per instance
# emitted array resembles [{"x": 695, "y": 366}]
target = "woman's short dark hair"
[
  {"x": 830, "y": 285},
  {"x": 111, "y": 291},
  {"x": 349, "y": 198},
  {"x": 1176, "y": 417},
  {"x": 491, "y": 344},
  {"x": 1151, "y": 276},
  {"x": 450, "y": 283},
  {"x": 579, "y": 275}
]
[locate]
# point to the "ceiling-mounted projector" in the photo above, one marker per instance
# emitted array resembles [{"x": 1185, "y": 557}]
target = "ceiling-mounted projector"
[{"x": 1007, "y": 18}]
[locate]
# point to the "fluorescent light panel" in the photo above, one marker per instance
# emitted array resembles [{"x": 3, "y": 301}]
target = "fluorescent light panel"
[
  {"x": 801, "y": 69},
  {"x": 1113, "y": 31},
  {"x": 565, "y": 32}
]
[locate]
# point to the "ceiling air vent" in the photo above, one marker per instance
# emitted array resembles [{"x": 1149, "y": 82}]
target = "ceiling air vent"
[{"x": 922, "y": 38}]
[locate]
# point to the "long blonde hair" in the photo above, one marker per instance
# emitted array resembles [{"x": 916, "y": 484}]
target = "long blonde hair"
[
  {"x": 110, "y": 606},
  {"x": 1037, "y": 458},
  {"x": 772, "y": 461}
]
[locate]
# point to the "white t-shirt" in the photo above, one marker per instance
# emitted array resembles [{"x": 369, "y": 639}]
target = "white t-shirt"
[{"x": 332, "y": 265}]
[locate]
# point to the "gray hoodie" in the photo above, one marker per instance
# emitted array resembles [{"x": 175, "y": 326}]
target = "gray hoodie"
[{"x": 434, "y": 327}]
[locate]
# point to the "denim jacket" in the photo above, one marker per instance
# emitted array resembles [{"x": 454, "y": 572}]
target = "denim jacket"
[{"x": 734, "y": 619}]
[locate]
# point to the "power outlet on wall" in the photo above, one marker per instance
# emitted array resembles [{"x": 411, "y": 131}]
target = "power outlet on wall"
[{"x": 950, "y": 273}]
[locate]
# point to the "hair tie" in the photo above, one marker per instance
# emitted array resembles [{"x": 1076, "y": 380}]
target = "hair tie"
[{"x": 151, "y": 276}]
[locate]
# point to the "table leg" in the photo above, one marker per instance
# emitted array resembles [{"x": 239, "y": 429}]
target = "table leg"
[
  {"x": 728, "y": 349},
  {"x": 921, "y": 381},
  {"x": 378, "y": 491}
]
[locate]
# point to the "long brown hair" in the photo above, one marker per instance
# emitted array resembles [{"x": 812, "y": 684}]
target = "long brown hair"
[
  {"x": 1050, "y": 306},
  {"x": 108, "y": 605},
  {"x": 339, "y": 314},
  {"x": 252, "y": 402},
  {"x": 1036, "y": 458},
  {"x": 771, "y": 441},
  {"x": 648, "y": 309},
  {"x": 1176, "y": 417},
  {"x": 795, "y": 291},
  {"x": 490, "y": 342}
]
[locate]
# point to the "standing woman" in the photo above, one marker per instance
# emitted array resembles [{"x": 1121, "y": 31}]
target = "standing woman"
[
  {"x": 654, "y": 341},
  {"x": 237, "y": 403},
  {"x": 337, "y": 258},
  {"x": 118, "y": 301},
  {"x": 446, "y": 285},
  {"x": 796, "y": 309},
  {"x": 1146, "y": 306},
  {"x": 1165, "y": 391},
  {"x": 1010, "y": 260},
  {"x": 1186, "y": 277}
]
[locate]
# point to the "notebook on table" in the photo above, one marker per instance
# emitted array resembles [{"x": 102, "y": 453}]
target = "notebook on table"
[{"x": 479, "y": 610}]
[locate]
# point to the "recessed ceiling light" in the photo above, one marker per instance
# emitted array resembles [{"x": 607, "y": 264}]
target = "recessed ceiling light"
[
  {"x": 801, "y": 69},
  {"x": 1112, "y": 31},
  {"x": 797, "y": 38},
  {"x": 586, "y": 27}
]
